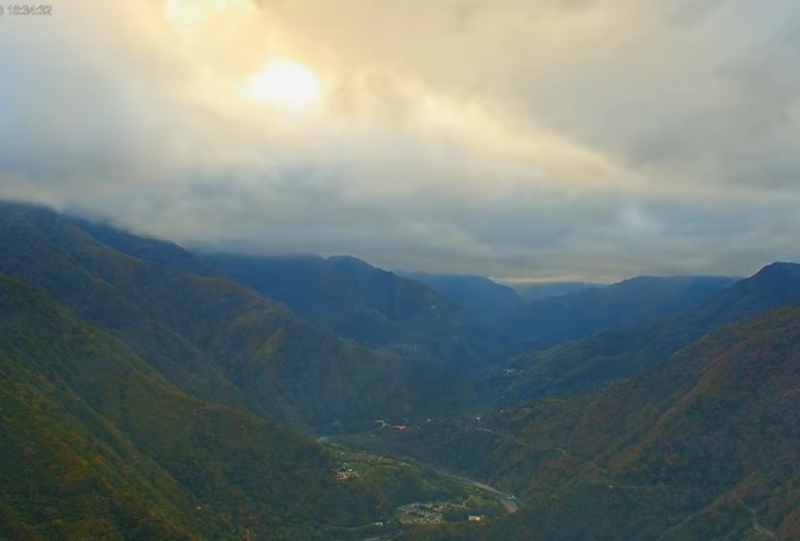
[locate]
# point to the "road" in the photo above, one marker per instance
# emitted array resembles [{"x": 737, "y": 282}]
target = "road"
[{"x": 509, "y": 502}]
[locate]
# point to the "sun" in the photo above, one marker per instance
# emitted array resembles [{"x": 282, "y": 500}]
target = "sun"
[{"x": 285, "y": 83}]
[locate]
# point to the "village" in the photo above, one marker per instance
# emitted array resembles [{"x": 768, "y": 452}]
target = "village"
[
  {"x": 469, "y": 501},
  {"x": 435, "y": 513}
]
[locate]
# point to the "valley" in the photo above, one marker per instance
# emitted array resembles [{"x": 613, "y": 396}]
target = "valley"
[
  {"x": 453, "y": 499},
  {"x": 149, "y": 392}
]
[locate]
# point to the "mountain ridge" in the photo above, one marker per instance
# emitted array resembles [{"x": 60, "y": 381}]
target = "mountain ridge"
[
  {"x": 482, "y": 298},
  {"x": 551, "y": 321},
  {"x": 215, "y": 338},
  {"x": 368, "y": 305},
  {"x": 704, "y": 446},
  {"x": 621, "y": 353}
]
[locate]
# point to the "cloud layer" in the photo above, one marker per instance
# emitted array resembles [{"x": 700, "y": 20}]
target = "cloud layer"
[{"x": 590, "y": 139}]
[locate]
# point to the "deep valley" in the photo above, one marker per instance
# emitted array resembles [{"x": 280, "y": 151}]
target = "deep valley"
[{"x": 150, "y": 392}]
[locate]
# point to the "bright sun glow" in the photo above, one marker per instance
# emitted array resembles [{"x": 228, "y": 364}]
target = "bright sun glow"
[{"x": 285, "y": 83}]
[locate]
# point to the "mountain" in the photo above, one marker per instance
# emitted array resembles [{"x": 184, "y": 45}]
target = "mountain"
[
  {"x": 704, "y": 446},
  {"x": 775, "y": 285},
  {"x": 367, "y": 305},
  {"x": 541, "y": 290},
  {"x": 141, "y": 387},
  {"x": 158, "y": 252},
  {"x": 621, "y": 353},
  {"x": 97, "y": 445},
  {"x": 547, "y": 322},
  {"x": 708, "y": 441},
  {"x": 214, "y": 338},
  {"x": 486, "y": 301}
]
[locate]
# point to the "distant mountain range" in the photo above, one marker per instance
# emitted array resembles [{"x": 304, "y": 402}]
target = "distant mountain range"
[
  {"x": 149, "y": 392},
  {"x": 210, "y": 336},
  {"x": 139, "y": 387},
  {"x": 485, "y": 300},
  {"x": 534, "y": 291},
  {"x": 547, "y": 322},
  {"x": 581, "y": 311},
  {"x": 370, "y": 306},
  {"x": 625, "y": 352},
  {"x": 702, "y": 445}
]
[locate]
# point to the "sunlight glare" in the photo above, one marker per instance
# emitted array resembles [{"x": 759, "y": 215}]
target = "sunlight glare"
[{"x": 285, "y": 83}]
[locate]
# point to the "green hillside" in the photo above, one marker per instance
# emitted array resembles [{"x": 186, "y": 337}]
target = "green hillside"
[
  {"x": 96, "y": 445},
  {"x": 480, "y": 297},
  {"x": 703, "y": 447},
  {"x": 548, "y": 322},
  {"x": 588, "y": 364},
  {"x": 139, "y": 391},
  {"x": 214, "y": 338},
  {"x": 370, "y": 306}
]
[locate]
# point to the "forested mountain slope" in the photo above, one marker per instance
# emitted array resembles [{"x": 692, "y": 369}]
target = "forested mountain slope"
[
  {"x": 706, "y": 446},
  {"x": 97, "y": 445},
  {"x": 548, "y": 322},
  {"x": 368, "y": 305},
  {"x": 215, "y": 338},
  {"x": 486, "y": 301},
  {"x": 621, "y": 353}
]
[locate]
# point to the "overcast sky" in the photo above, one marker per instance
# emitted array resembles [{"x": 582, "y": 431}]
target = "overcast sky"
[{"x": 547, "y": 139}]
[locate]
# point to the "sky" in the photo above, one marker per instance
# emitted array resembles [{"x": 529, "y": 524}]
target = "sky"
[{"x": 519, "y": 139}]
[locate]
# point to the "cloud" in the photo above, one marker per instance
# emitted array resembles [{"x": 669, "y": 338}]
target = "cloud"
[{"x": 591, "y": 138}]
